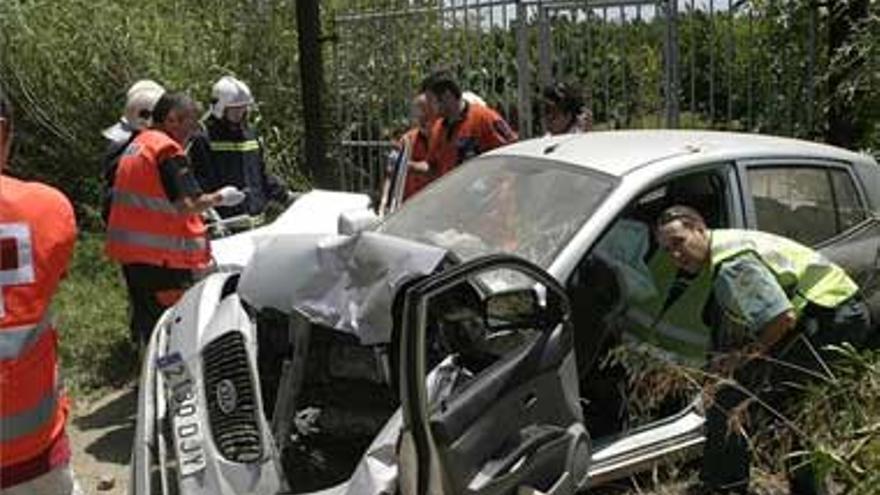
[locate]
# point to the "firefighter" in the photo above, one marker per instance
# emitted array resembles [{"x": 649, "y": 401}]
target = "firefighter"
[
  {"x": 37, "y": 234},
  {"x": 154, "y": 229},
  {"x": 768, "y": 294},
  {"x": 230, "y": 153},
  {"x": 140, "y": 100}
]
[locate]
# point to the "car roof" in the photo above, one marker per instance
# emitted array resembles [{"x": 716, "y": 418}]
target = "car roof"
[{"x": 620, "y": 152}]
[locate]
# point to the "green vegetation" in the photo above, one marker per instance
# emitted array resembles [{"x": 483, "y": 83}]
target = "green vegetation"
[
  {"x": 67, "y": 65},
  {"x": 91, "y": 311},
  {"x": 841, "y": 421},
  {"x": 835, "y": 423}
]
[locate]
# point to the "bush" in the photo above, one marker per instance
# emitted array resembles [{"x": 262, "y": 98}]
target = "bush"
[{"x": 67, "y": 65}]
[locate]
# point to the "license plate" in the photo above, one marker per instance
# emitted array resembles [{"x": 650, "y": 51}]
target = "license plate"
[{"x": 188, "y": 436}]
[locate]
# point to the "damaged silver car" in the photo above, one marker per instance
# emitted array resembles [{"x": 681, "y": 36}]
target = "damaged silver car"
[{"x": 458, "y": 346}]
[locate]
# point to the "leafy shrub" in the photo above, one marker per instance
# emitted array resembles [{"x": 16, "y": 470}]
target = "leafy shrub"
[{"x": 67, "y": 66}]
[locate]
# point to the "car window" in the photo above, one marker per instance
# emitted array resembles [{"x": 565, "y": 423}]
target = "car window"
[
  {"x": 807, "y": 204},
  {"x": 524, "y": 206},
  {"x": 849, "y": 207}
]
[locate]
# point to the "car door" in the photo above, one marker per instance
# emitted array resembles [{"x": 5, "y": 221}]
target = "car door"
[
  {"x": 515, "y": 422},
  {"x": 820, "y": 204}
]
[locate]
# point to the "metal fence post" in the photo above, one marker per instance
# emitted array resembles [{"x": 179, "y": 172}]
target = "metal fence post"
[
  {"x": 545, "y": 58},
  {"x": 671, "y": 59},
  {"x": 811, "y": 69},
  {"x": 524, "y": 85},
  {"x": 308, "y": 18}
]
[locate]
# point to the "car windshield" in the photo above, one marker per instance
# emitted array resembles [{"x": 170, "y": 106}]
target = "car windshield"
[{"x": 525, "y": 206}]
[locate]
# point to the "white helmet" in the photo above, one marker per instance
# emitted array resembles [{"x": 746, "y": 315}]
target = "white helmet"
[
  {"x": 141, "y": 97},
  {"x": 473, "y": 98},
  {"x": 229, "y": 92}
]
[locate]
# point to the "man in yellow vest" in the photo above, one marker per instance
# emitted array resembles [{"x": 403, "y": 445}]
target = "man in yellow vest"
[
  {"x": 766, "y": 291},
  {"x": 37, "y": 234}
]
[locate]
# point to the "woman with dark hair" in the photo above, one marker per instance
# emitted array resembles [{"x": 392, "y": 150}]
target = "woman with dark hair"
[
  {"x": 565, "y": 111},
  {"x": 37, "y": 234}
]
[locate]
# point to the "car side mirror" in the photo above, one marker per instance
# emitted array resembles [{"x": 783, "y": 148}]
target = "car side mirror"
[
  {"x": 353, "y": 221},
  {"x": 517, "y": 308}
]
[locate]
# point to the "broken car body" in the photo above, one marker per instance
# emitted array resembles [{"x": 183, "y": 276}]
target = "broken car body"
[{"x": 457, "y": 346}]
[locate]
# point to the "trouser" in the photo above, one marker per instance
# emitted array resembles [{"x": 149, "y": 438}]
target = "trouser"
[
  {"x": 726, "y": 455},
  {"x": 151, "y": 290},
  {"x": 59, "y": 481}
]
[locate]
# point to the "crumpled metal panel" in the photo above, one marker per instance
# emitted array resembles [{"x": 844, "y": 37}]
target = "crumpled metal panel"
[
  {"x": 344, "y": 282},
  {"x": 377, "y": 473},
  {"x": 316, "y": 212}
]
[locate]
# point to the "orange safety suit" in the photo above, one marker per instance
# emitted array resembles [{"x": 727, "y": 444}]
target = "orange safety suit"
[
  {"x": 37, "y": 234},
  {"x": 478, "y": 130},
  {"x": 144, "y": 225}
]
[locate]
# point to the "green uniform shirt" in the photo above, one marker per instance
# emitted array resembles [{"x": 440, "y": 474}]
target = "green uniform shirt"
[{"x": 748, "y": 293}]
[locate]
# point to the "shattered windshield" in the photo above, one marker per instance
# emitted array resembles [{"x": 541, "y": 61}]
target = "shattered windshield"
[{"x": 525, "y": 206}]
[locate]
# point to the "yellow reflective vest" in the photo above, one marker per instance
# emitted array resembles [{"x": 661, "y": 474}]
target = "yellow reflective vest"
[
  {"x": 679, "y": 328},
  {"x": 804, "y": 274}
]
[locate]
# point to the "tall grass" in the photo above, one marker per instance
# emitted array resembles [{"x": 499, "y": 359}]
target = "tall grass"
[
  {"x": 91, "y": 311},
  {"x": 833, "y": 421}
]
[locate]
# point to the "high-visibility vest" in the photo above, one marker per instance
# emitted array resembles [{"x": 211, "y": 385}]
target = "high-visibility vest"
[
  {"x": 37, "y": 234},
  {"x": 679, "y": 328},
  {"x": 144, "y": 226},
  {"x": 805, "y": 275}
]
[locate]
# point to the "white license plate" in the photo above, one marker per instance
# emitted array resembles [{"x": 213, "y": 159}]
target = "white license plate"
[{"x": 183, "y": 404}]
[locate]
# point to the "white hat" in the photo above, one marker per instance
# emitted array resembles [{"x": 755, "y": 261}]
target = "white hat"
[
  {"x": 229, "y": 92},
  {"x": 141, "y": 98}
]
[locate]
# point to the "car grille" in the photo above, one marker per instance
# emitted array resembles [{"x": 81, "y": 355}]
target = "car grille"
[{"x": 233, "y": 422}]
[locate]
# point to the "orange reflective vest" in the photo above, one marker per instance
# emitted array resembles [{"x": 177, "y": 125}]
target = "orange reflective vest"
[
  {"x": 144, "y": 226},
  {"x": 37, "y": 234}
]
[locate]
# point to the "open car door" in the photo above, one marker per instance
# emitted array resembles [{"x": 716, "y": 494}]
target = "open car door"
[{"x": 511, "y": 421}]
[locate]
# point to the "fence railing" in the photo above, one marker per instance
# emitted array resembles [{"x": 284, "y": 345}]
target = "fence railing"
[{"x": 727, "y": 64}]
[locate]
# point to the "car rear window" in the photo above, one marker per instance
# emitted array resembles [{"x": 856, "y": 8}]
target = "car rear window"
[{"x": 808, "y": 204}]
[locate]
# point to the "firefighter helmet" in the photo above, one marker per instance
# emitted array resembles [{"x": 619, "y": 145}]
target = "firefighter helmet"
[{"x": 229, "y": 92}]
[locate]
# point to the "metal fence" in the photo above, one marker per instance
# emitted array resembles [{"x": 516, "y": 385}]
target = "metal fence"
[{"x": 643, "y": 63}]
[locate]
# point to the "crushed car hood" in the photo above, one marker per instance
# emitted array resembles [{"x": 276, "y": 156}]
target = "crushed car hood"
[
  {"x": 344, "y": 282},
  {"x": 316, "y": 212}
]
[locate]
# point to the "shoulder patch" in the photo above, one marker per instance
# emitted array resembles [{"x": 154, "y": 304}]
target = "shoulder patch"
[
  {"x": 503, "y": 129},
  {"x": 133, "y": 148}
]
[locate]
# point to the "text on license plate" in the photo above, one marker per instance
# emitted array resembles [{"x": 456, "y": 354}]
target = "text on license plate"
[{"x": 188, "y": 436}]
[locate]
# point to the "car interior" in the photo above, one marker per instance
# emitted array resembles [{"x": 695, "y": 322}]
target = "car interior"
[{"x": 597, "y": 289}]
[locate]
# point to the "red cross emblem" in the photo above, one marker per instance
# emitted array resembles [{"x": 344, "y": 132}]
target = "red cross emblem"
[
  {"x": 16, "y": 257},
  {"x": 8, "y": 253}
]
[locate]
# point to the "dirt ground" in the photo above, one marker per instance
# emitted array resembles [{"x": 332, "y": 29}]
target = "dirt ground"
[{"x": 101, "y": 433}]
